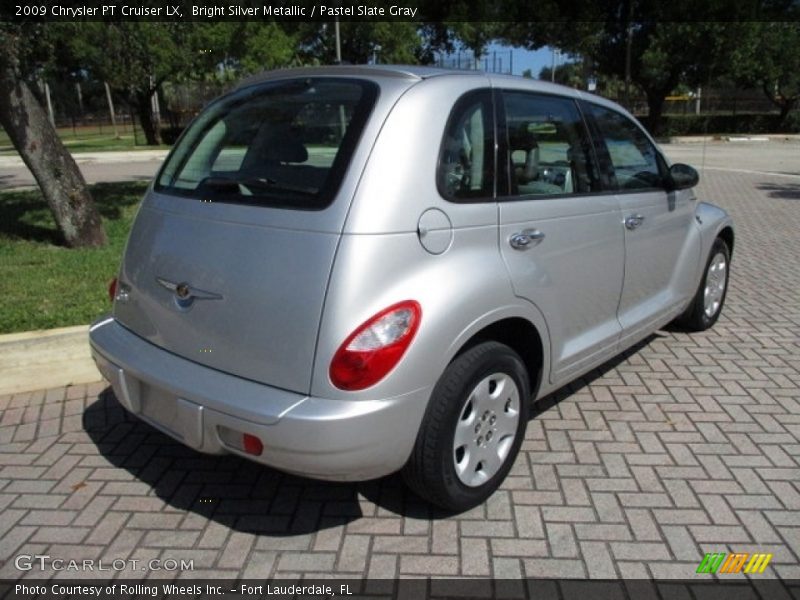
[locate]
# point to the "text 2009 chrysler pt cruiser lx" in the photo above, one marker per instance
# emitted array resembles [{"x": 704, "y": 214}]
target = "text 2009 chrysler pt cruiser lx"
[{"x": 342, "y": 272}]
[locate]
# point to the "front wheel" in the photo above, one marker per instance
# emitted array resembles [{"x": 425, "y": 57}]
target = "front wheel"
[
  {"x": 707, "y": 304},
  {"x": 473, "y": 428}
]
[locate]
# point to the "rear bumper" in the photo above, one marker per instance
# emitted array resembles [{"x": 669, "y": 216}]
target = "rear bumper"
[{"x": 325, "y": 439}]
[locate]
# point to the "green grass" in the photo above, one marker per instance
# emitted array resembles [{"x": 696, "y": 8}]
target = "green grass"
[
  {"x": 89, "y": 139},
  {"x": 42, "y": 283}
]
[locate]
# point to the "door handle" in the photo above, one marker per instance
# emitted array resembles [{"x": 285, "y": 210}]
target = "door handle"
[
  {"x": 634, "y": 221},
  {"x": 525, "y": 239}
]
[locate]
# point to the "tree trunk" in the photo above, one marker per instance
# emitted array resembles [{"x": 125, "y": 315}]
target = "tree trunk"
[
  {"x": 151, "y": 128},
  {"x": 655, "y": 109},
  {"x": 785, "y": 104},
  {"x": 786, "y": 107},
  {"x": 61, "y": 182}
]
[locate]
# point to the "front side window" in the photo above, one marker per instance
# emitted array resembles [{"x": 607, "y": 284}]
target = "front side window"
[
  {"x": 466, "y": 159},
  {"x": 548, "y": 148},
  {"x": 285, "y": 144},
  {"x": 633, "y": 156}
]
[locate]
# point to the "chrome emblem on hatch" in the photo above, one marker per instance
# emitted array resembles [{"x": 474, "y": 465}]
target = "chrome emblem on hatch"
[
  {"x": 182, "y": 291},
  {"x": 186, "y": 294}
]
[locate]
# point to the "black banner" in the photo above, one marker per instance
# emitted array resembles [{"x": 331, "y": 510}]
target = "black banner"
[
  {"x": 701, "y": 588},
  {"x": 382, "y": 10}
]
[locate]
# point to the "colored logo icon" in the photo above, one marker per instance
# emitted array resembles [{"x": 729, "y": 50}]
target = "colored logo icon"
[{"x": 716, "y": 562}]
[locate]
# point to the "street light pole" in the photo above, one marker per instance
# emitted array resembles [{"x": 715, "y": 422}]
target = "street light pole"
[
  {"x": 342, "y": 122},
  {"x": 628, "y": 44},
  {"x": 553, "y": 68},
  {"x": 338, "y": 42}
]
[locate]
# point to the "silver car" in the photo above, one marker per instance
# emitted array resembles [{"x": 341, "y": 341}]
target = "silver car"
[{"x": 343, "y": 272}]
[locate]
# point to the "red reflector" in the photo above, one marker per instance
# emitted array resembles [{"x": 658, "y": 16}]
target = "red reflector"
[
  {"x": 112, "y": 289},
  {"x": 252, "y": 445}
]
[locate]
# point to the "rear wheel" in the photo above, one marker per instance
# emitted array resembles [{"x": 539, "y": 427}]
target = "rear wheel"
[
  {"x": 473, "y": 428},
  {"x": 707, "y": 304}
]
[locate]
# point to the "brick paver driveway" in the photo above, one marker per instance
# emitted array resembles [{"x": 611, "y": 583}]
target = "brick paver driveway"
[{"x": 685, "y": 445}]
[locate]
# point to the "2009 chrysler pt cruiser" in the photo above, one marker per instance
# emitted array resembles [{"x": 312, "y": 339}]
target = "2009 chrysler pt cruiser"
[{"x": 343, "y": 272}]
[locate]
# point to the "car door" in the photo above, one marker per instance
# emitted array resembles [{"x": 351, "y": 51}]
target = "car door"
[
  {"x": 659, "y": 257},
  {"x": 560, "y": 236}
]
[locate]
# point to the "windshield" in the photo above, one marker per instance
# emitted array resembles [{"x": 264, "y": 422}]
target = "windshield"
[{"x": 285, "y": 144}]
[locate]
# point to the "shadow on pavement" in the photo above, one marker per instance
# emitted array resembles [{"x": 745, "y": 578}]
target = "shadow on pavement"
[
  {"x": 234, "y": 492},
  {"x": 784, "y": 191},
  {"x": 252, "y": 498}
]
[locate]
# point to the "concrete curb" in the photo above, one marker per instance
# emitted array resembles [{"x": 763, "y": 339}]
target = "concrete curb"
[
  {"x": 36, "y": 360},
  {"x": 718, "y": 138}
]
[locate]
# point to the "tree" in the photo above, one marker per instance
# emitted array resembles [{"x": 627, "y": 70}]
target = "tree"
[
  {"x": 137, "y": 57},
  {"x": 647, "y": 41},
  {"x": 474, "y": 36},
  {"x": 767, "y": 58},
  {"x": 246, "y": 47},
  {"x": 664, "y": 55},
  {"x": 450, "y": 25},
  {"x": 569, "y": 74},
  {"x": 61, "y": 182},
  {"x": 361, "y": 42}
]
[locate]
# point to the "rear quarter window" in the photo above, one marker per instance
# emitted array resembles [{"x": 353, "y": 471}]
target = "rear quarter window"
[
  {"x": 465, "y": 171},
  {"x": 284, "y": 144}
]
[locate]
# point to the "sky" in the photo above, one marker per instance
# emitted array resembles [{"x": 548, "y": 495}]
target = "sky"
[
  {"x": 519, "y": 59},
  {"x": 522, "y": 59}
]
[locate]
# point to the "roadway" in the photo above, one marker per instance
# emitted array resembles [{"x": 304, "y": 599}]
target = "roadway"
[{"x": 780, "y": 158}]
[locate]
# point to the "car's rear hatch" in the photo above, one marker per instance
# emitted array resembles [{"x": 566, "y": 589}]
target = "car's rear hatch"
[{"x": 229, "y": 257}]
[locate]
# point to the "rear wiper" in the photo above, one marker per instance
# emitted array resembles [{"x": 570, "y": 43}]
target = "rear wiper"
[{"x": 253, "y": 184}]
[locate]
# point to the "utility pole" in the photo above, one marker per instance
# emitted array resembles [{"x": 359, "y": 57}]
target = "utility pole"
[
  {"x": 155, "y": 107},
  {"x": 80, "y": 97},
  {"x": 342, "y": 118},
  {"x": 49, "y": 104},
  {"x": 628, "y": 44},
  {"x": 553, "y": 67},
  {"x": 111, "y": 110},
  {"x": 338, "y": 42}
]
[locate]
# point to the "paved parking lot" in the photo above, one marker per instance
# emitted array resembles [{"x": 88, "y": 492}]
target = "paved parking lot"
[{"x": 687, "y": 444}]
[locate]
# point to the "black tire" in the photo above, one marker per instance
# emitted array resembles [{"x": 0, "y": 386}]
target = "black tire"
[
  {"x": 695, "y": 318},
  {"x": 431, "y": 469}
]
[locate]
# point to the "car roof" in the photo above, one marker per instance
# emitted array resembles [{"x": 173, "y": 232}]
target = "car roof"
[
  {"x": 416, "y": 73},
  {"x": 410, "y": 72}
]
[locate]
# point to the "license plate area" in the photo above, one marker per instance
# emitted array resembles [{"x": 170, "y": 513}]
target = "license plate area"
[
  {"x": 176, "y": 416},
  {"x": 161, "y": 407}
]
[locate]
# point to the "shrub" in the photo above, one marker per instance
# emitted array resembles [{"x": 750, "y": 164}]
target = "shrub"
[{"x": 745, "y": 123}]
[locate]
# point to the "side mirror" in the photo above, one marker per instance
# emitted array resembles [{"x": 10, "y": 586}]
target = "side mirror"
[{"x": 682, "y": 177}]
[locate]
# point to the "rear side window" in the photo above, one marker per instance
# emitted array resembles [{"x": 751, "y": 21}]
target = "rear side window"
[
  {"x": 634, "y": 157},
  {"x": 285, "y": 144},
  {"x": 467, "y": 157},
  {"x": 549, "y": 150}
]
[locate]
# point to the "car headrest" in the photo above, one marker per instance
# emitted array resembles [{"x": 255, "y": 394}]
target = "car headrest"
[
  {"x": 522, "y": 139},
  {"x": 285, "y": 147}
]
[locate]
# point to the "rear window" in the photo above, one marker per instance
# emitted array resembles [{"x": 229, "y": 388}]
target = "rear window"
[{"x": 285, "y": 144}]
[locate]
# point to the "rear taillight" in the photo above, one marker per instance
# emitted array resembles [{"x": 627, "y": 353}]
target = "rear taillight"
[
  {"x": 112, "y": 289},
  {"x": 375, "y": 348}
]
